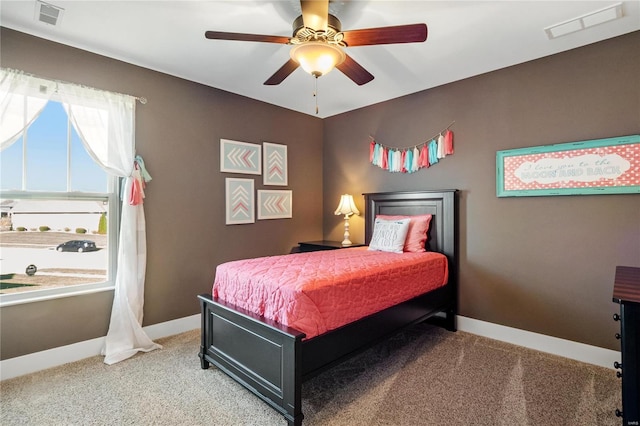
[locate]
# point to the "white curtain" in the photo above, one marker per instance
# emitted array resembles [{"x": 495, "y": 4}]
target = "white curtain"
[
  {"x": 16, "y": 114},
  {"x": 105, "y": 123}
]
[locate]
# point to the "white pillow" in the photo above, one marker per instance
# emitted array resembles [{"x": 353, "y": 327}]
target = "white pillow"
[{"x": 389, "y": 235}]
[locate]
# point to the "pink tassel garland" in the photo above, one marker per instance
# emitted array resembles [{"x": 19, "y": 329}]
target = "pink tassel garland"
[{"x": 408, "y": 160}]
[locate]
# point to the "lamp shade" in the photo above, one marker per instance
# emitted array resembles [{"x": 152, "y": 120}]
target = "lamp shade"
[
  {"x": 317, "y": 58},
  {"x": 347, "y": 206}
]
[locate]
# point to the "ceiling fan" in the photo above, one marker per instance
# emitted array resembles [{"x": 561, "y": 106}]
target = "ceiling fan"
[{"x": 318, "y": 42}]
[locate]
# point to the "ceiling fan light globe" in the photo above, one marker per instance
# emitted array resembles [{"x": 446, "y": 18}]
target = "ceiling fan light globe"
[{"x": 317, "y": 58}]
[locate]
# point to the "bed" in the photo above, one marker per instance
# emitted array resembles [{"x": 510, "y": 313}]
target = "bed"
[{"x": 272, "y": 360}]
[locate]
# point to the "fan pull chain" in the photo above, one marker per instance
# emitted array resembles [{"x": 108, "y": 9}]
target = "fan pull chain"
[{"x": 315, "y": 93}]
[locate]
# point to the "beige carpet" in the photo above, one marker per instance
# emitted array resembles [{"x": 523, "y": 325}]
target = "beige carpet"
[{"x": 423, "y": 376}]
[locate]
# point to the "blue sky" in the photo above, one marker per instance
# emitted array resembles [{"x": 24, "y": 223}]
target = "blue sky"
[{"x": 46, "y": 160}]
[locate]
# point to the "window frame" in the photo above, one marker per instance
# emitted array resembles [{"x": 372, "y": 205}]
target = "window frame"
[{"x": 112, "y": 196}]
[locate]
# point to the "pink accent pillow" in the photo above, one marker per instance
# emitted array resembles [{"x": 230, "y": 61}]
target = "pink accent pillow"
[{"x": 417, "y": 234}]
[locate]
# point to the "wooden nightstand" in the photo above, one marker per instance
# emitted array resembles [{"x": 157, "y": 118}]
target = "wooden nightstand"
[{"x": 306, "y": 246}]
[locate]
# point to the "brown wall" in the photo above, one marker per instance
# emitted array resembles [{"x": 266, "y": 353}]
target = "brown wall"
[
  {"x": 177, "y": 133},
  {"x": 543, "y": 264}
]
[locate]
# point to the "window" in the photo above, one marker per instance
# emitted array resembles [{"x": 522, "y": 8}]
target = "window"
[
  {"x": 105, "y": 122},
  {"x": 59, "y": 213}
]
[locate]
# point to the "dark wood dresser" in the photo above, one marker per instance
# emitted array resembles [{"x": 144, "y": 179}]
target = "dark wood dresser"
[{"x": 626, "y": 292}]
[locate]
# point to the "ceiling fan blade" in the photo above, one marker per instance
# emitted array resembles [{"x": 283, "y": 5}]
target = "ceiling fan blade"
[
  {"x": 315, "y": 14},
  {"x": 284, "y": 71},
  {"x": 355, "y": 71},
  {"x": 386, "y": 35},
  {"x": 219, "y": 35}
]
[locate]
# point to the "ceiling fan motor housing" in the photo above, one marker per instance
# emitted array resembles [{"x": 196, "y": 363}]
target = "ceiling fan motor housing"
[{"x": 333, "y": 34}]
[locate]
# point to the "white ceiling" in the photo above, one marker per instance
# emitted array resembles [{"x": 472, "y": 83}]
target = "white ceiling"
[{"x": 465, "y": 38}]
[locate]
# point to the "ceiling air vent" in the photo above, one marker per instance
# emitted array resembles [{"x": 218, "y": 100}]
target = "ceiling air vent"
[
  {"x": 48, "y": 13},
  {"x": 588, "y": 20}
]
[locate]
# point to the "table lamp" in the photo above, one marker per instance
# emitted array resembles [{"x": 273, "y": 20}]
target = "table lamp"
[{"x": 346, "y": 207}]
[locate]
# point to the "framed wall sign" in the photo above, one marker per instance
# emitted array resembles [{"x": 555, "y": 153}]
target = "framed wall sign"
[
  {"x": 275, "y": 204},
  {"x": 240, "y": 201},
  {"x": 240, "y": 157},
  {"x": 600, "y": 166},
  {"x": 275, "y": 164}
]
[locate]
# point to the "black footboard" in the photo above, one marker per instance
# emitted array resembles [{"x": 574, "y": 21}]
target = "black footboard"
[{"x": 264, "y": 357}]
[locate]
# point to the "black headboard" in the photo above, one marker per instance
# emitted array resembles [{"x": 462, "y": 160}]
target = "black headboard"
[{"x": 442, "y": 205}]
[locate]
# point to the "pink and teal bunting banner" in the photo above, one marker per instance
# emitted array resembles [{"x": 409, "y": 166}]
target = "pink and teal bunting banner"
[{"x": 411, "y": 159}]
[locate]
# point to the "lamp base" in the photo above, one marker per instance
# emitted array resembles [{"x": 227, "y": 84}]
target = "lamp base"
[{"x": 346, "y": 241}]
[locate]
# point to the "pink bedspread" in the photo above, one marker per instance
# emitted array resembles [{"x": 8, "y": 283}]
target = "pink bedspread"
[{"x": 319, "y": 291}]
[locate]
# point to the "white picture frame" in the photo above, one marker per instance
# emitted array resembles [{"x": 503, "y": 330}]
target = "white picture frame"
[
  {"x": 275, "y": 204},
  {"x": 240, "y": 157},
  {"x": 239, "y": 201},
  {"x": 275, "y": 164}
]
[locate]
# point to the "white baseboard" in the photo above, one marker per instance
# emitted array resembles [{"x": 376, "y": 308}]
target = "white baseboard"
[
  {"x": 37, "y": 361},
  {"x": 553, "y": 345},
  {"x": 19, "y": 366},
  {"x": 171, "y": 328}
]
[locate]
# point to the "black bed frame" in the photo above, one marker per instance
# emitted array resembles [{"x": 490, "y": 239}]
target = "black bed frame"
[{"x": 272, "y": 360}]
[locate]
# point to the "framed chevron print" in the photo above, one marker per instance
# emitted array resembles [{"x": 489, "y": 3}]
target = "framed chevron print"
[
  {"x": 240, "y": 201},
  {"x": 240, "y": 157},
  {"x": 275, "y": 164},
  {"x": 275, "y": 204}
]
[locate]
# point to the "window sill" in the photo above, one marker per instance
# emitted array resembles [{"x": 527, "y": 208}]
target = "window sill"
[{"x": 11, "y": 299}]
